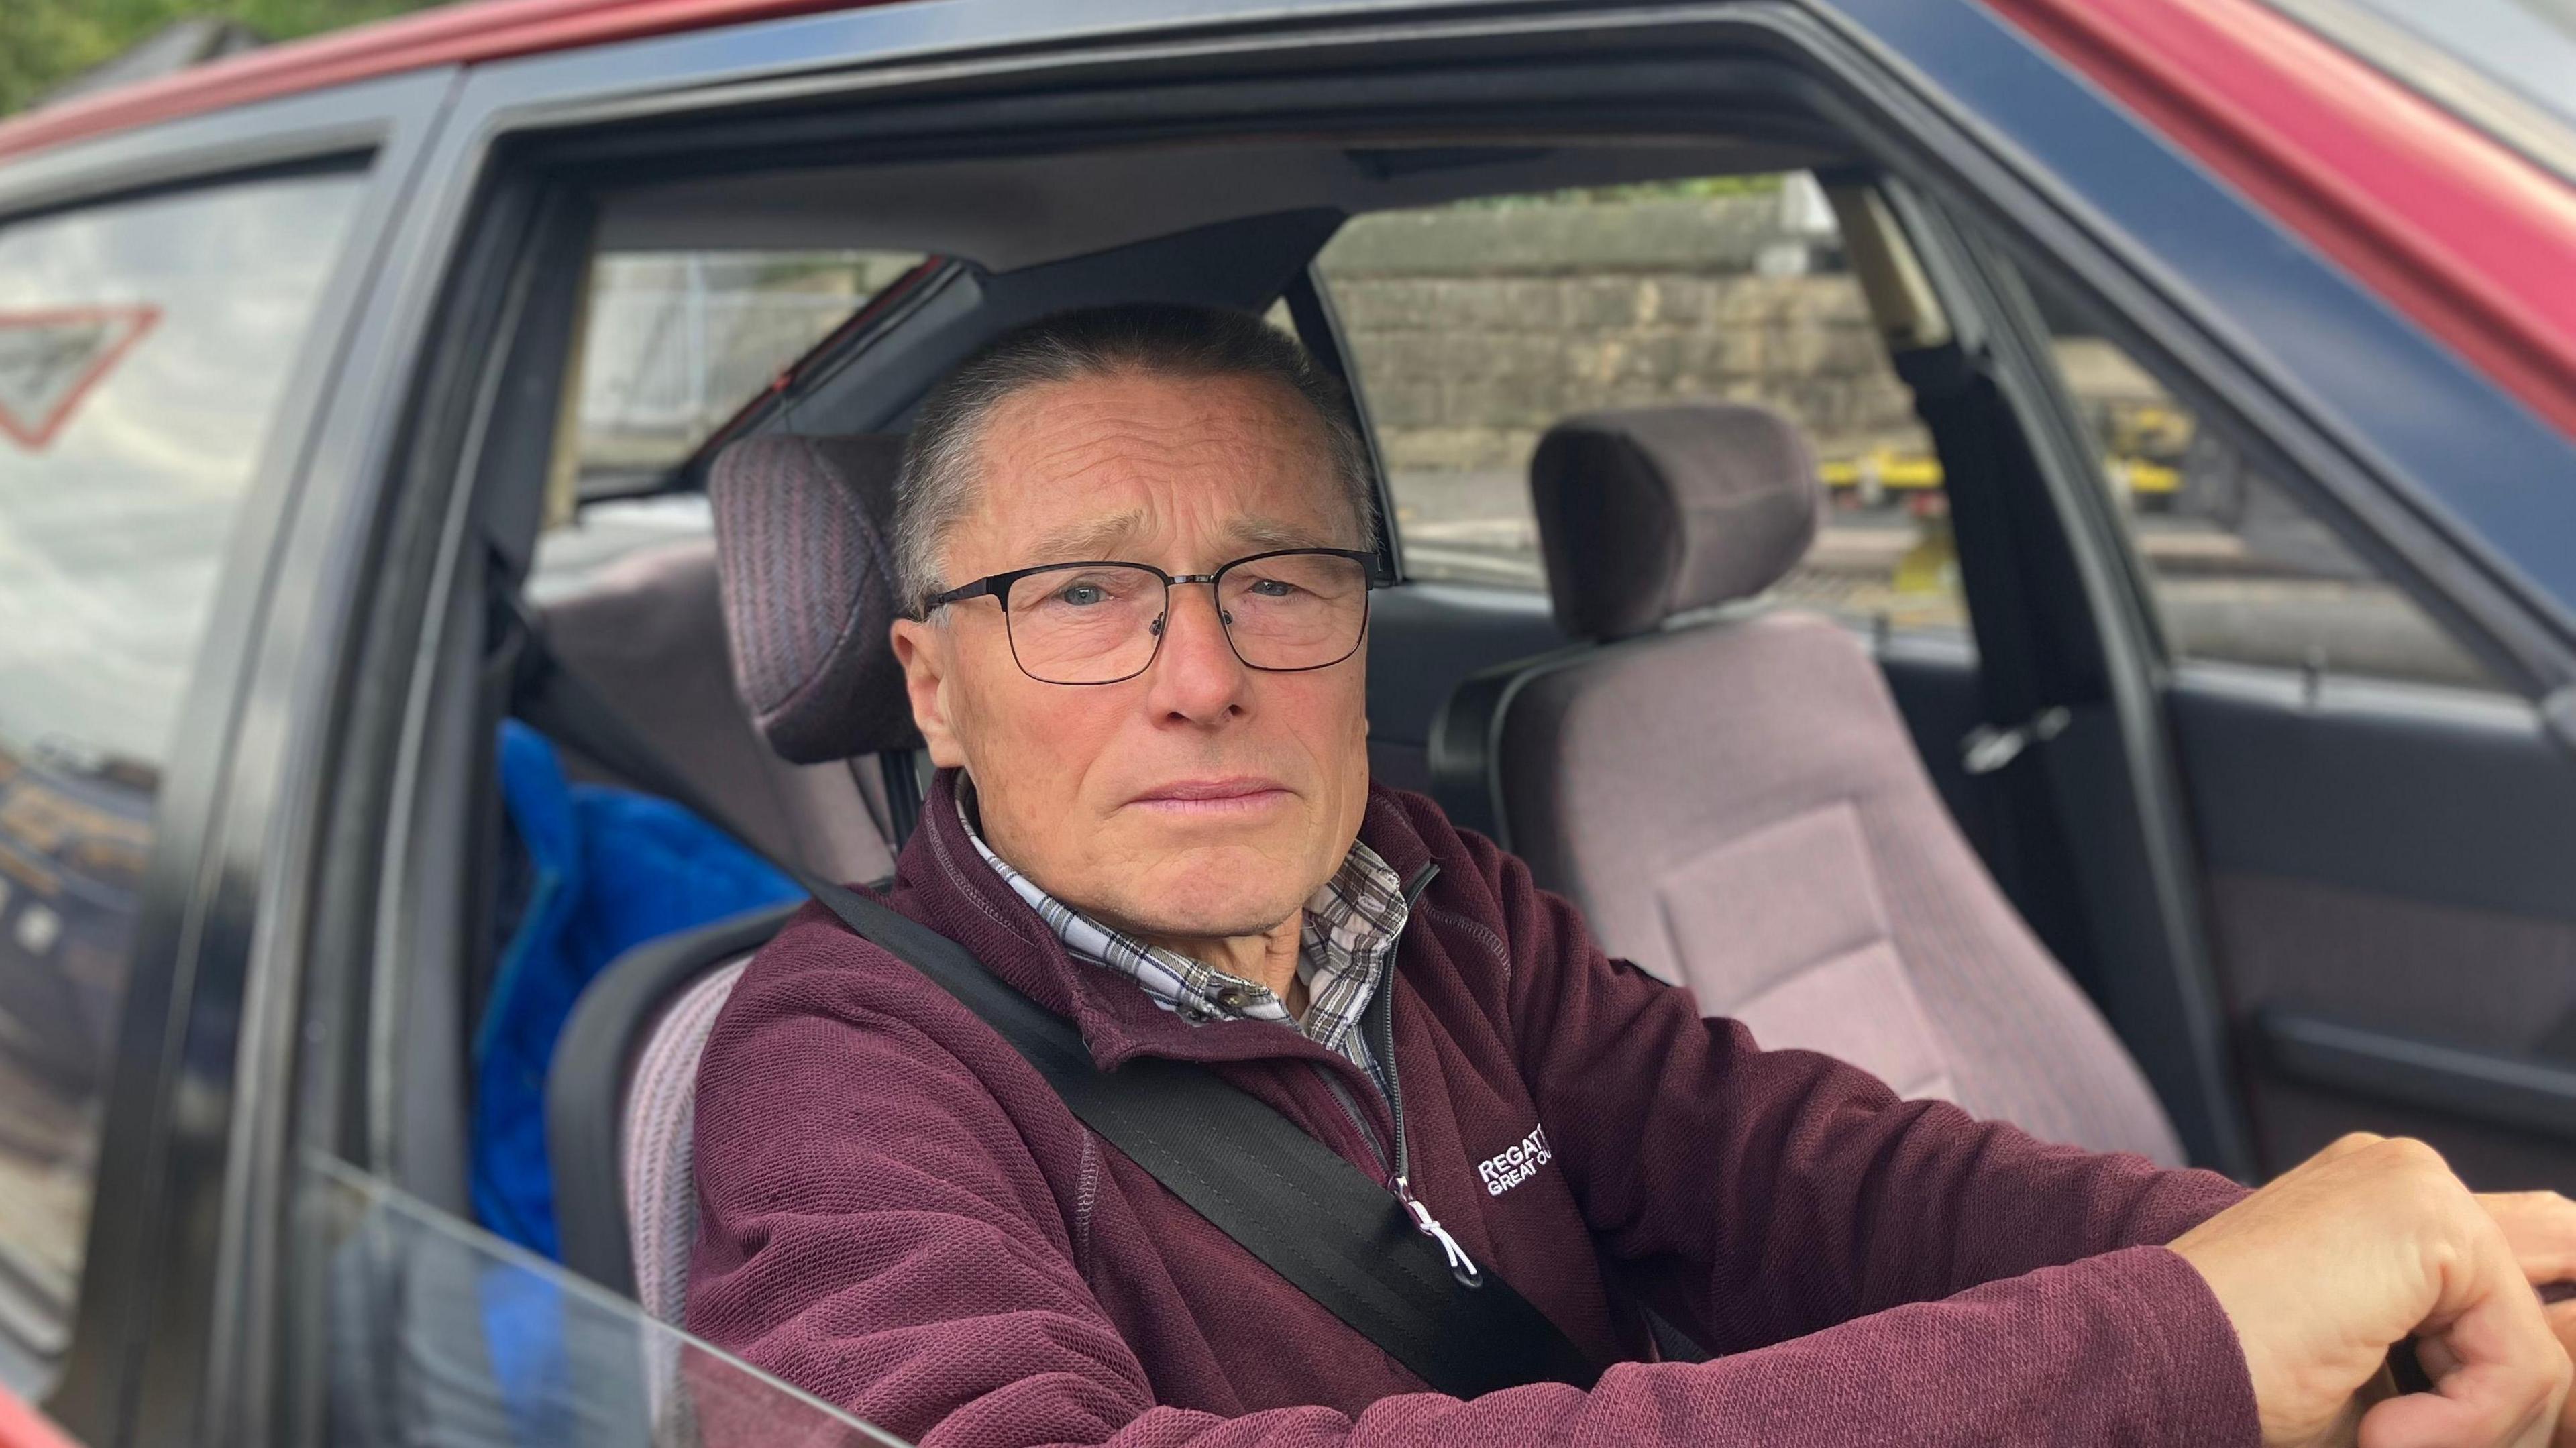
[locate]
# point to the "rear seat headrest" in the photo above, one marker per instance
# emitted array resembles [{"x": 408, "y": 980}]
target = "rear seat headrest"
[
  {"x": 808, "y": 577},
  {"x": 1655, "y": 512}
]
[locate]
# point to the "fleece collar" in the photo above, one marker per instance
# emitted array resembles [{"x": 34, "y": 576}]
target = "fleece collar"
[{"x": 942, "y": 876}]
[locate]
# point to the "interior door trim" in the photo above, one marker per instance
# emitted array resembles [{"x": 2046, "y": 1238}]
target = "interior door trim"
[{"x": 2524, "y": 1092}]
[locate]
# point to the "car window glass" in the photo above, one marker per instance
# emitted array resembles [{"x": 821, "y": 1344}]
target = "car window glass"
[
  {"x": 675, "y": 343},
  {"x": 1475, "y": 326},
  {"x": 575, "y": 557},
  {"x": 423, "y": 1329},
  {"x": 144, "y": 351},
  {"x": 2241, "y": 571}
]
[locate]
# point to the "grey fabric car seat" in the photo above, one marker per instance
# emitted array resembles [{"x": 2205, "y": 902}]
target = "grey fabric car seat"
[
  {"x": 1731, "y": 796},
  {"x": 807, "y": 597}
]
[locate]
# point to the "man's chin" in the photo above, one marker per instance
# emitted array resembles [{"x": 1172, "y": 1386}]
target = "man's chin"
[{"x": 1214, "y": 893}]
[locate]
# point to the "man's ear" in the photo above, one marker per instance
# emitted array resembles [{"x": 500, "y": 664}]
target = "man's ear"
[{"x": 923, "y": 650}]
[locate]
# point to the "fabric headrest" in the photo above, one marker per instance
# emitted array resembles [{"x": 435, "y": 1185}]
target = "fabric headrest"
[
  {"x": 1650, "y": 513},
  {"x": 802, "y": 549}
]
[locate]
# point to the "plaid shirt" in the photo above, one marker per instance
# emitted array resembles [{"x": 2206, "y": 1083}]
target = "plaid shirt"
[{"x": 1352, "y": 923}]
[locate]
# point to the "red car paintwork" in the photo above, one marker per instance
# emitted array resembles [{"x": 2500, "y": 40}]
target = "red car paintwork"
[
  {"x": 2469, "y": 239},
  {"x": 23, "y": 1427},
  {"x": 448, "y": 35}
]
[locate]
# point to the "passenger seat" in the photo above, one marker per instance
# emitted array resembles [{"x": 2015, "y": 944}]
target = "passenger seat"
[{"x": 1731, "y": 796}]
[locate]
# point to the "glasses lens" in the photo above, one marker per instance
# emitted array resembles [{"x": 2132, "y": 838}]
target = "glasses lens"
[
  {"x": 1091, "y": 623},
  {"x": 1295, "y": 610}
]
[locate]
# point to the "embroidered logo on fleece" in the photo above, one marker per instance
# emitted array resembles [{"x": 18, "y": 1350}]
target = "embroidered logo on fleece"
[{"x": 1507, "y": 1169}]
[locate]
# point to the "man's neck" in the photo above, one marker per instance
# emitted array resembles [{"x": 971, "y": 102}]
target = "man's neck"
[{"x": 1269, "y": 958}]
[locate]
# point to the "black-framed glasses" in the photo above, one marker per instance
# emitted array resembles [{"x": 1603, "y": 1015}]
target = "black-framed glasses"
[{"x": 1102, "y": 622}]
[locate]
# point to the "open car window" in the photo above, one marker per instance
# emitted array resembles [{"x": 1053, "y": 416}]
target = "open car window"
[
  {"x": 676, "y": 342},
  {"x": 427, "y": 1329}
]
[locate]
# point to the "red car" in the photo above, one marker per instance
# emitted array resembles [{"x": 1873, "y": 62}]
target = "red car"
[{"x": 2194, "y": 387}]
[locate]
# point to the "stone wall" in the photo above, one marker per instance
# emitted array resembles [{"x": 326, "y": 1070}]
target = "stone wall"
[{"x": 1474, "y": 329}]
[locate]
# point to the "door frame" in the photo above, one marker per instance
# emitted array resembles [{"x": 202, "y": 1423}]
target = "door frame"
[
  {"x": 1927, "y": 103},
  {"x": 167, "y": 1169}
]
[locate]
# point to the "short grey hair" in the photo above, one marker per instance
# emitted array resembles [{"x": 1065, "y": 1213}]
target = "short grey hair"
[{"x": 939, "y": 460}]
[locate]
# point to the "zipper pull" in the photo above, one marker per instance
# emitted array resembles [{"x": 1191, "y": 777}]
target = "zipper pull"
[{"x": 1461, "y": 1266}]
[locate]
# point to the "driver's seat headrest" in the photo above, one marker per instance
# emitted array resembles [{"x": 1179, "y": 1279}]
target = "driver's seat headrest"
[
  {"x": 803, "y": 552},
  {"x": 1660, "y": 511}
]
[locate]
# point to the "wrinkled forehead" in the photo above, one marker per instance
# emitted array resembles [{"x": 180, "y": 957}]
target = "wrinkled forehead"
[{"x": 1183, "y": 473}]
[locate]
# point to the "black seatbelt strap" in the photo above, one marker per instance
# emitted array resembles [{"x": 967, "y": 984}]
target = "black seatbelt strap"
[
  {"x": 1332, "y": 1231},
  {"x": 1981, "y": 449}
]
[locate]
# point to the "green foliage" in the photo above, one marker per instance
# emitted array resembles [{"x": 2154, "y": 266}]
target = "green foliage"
[{"x": 46, "y": 42}]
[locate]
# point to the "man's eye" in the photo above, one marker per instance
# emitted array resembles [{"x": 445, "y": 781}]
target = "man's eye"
[
  {"x": 1082, "y": 594},
  {"x": 1273, "y": 588}
]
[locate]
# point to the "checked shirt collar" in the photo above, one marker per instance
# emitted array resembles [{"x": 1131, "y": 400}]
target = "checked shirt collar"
[{"x": 1353, "y": 921}]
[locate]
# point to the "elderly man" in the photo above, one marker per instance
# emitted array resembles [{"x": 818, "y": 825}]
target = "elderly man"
[{"x": 1138, "y": 540}]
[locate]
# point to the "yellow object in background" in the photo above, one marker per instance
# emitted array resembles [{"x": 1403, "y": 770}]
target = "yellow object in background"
[
  {"x": 1931, "y": 566},
  {"x": 1883, "y": 470}
]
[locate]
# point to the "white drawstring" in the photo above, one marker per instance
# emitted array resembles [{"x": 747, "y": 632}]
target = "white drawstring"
[{"x": 1461, "y": 1266}]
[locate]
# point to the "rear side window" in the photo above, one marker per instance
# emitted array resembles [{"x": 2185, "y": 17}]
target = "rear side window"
[
  {"x": 144, "y": 350},
  {"x": 677, "y": 342}
]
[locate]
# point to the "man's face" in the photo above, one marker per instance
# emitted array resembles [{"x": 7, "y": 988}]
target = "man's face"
[{"x": 1087, "y": 789}]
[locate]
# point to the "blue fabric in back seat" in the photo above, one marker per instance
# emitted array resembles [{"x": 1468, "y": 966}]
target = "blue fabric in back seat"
[{"x": 611, "y": 869}]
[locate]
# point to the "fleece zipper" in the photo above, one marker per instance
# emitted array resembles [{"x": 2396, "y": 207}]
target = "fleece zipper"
[
  {"x": 1359, "y": 1119},
  {"x": 1379, "y": 1021}
]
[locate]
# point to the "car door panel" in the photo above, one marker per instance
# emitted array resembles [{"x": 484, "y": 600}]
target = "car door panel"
[
  {"x": 2380, "y": 787},
  {"x": 2388, "y": 873}
]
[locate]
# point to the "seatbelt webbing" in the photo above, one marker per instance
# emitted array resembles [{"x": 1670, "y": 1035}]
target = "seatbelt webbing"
[{"x": 1332, "y": 1231}]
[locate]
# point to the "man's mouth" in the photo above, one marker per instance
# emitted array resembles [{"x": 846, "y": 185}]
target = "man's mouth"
[{"x": 1230, "y": 795}]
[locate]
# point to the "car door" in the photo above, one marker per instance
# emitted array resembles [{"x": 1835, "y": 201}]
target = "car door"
[
  {"x": 172, "y": 303},
  {"x": 2362, "y": 670},
  {"x": 2386, "y": 826},
  {"x": 337, "y": 756}
]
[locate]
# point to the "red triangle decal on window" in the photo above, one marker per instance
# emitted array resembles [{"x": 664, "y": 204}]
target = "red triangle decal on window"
[{"x": 49, "y": 361}]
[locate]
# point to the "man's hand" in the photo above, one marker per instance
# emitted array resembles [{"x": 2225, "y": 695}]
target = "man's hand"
[
  {"x": 2367, "y": 1242},
  {"x": 2540, "y": 1227}
]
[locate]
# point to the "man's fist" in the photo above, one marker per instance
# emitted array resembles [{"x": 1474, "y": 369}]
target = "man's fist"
[
  {"x": 2368, "y": 1242},
  {"x": 2540, "y": 1227}
]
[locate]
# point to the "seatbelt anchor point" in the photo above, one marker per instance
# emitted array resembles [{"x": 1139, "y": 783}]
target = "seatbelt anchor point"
[{"x": 1988, "y": 748}]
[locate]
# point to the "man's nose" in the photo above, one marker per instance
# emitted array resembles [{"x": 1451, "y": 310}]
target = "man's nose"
[{"x": 1197, "y": 675}]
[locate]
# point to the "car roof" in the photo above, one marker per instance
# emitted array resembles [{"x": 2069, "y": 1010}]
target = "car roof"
[{"x": 459, "y": 34}]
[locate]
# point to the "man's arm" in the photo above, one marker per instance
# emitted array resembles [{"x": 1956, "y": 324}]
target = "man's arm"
[
  {"x": 1758, "y": 1195},
  {"x": 874, "y": 1231}
]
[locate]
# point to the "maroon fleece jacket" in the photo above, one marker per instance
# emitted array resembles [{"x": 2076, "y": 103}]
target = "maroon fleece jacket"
[{"x": 898, "y": 1213}]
